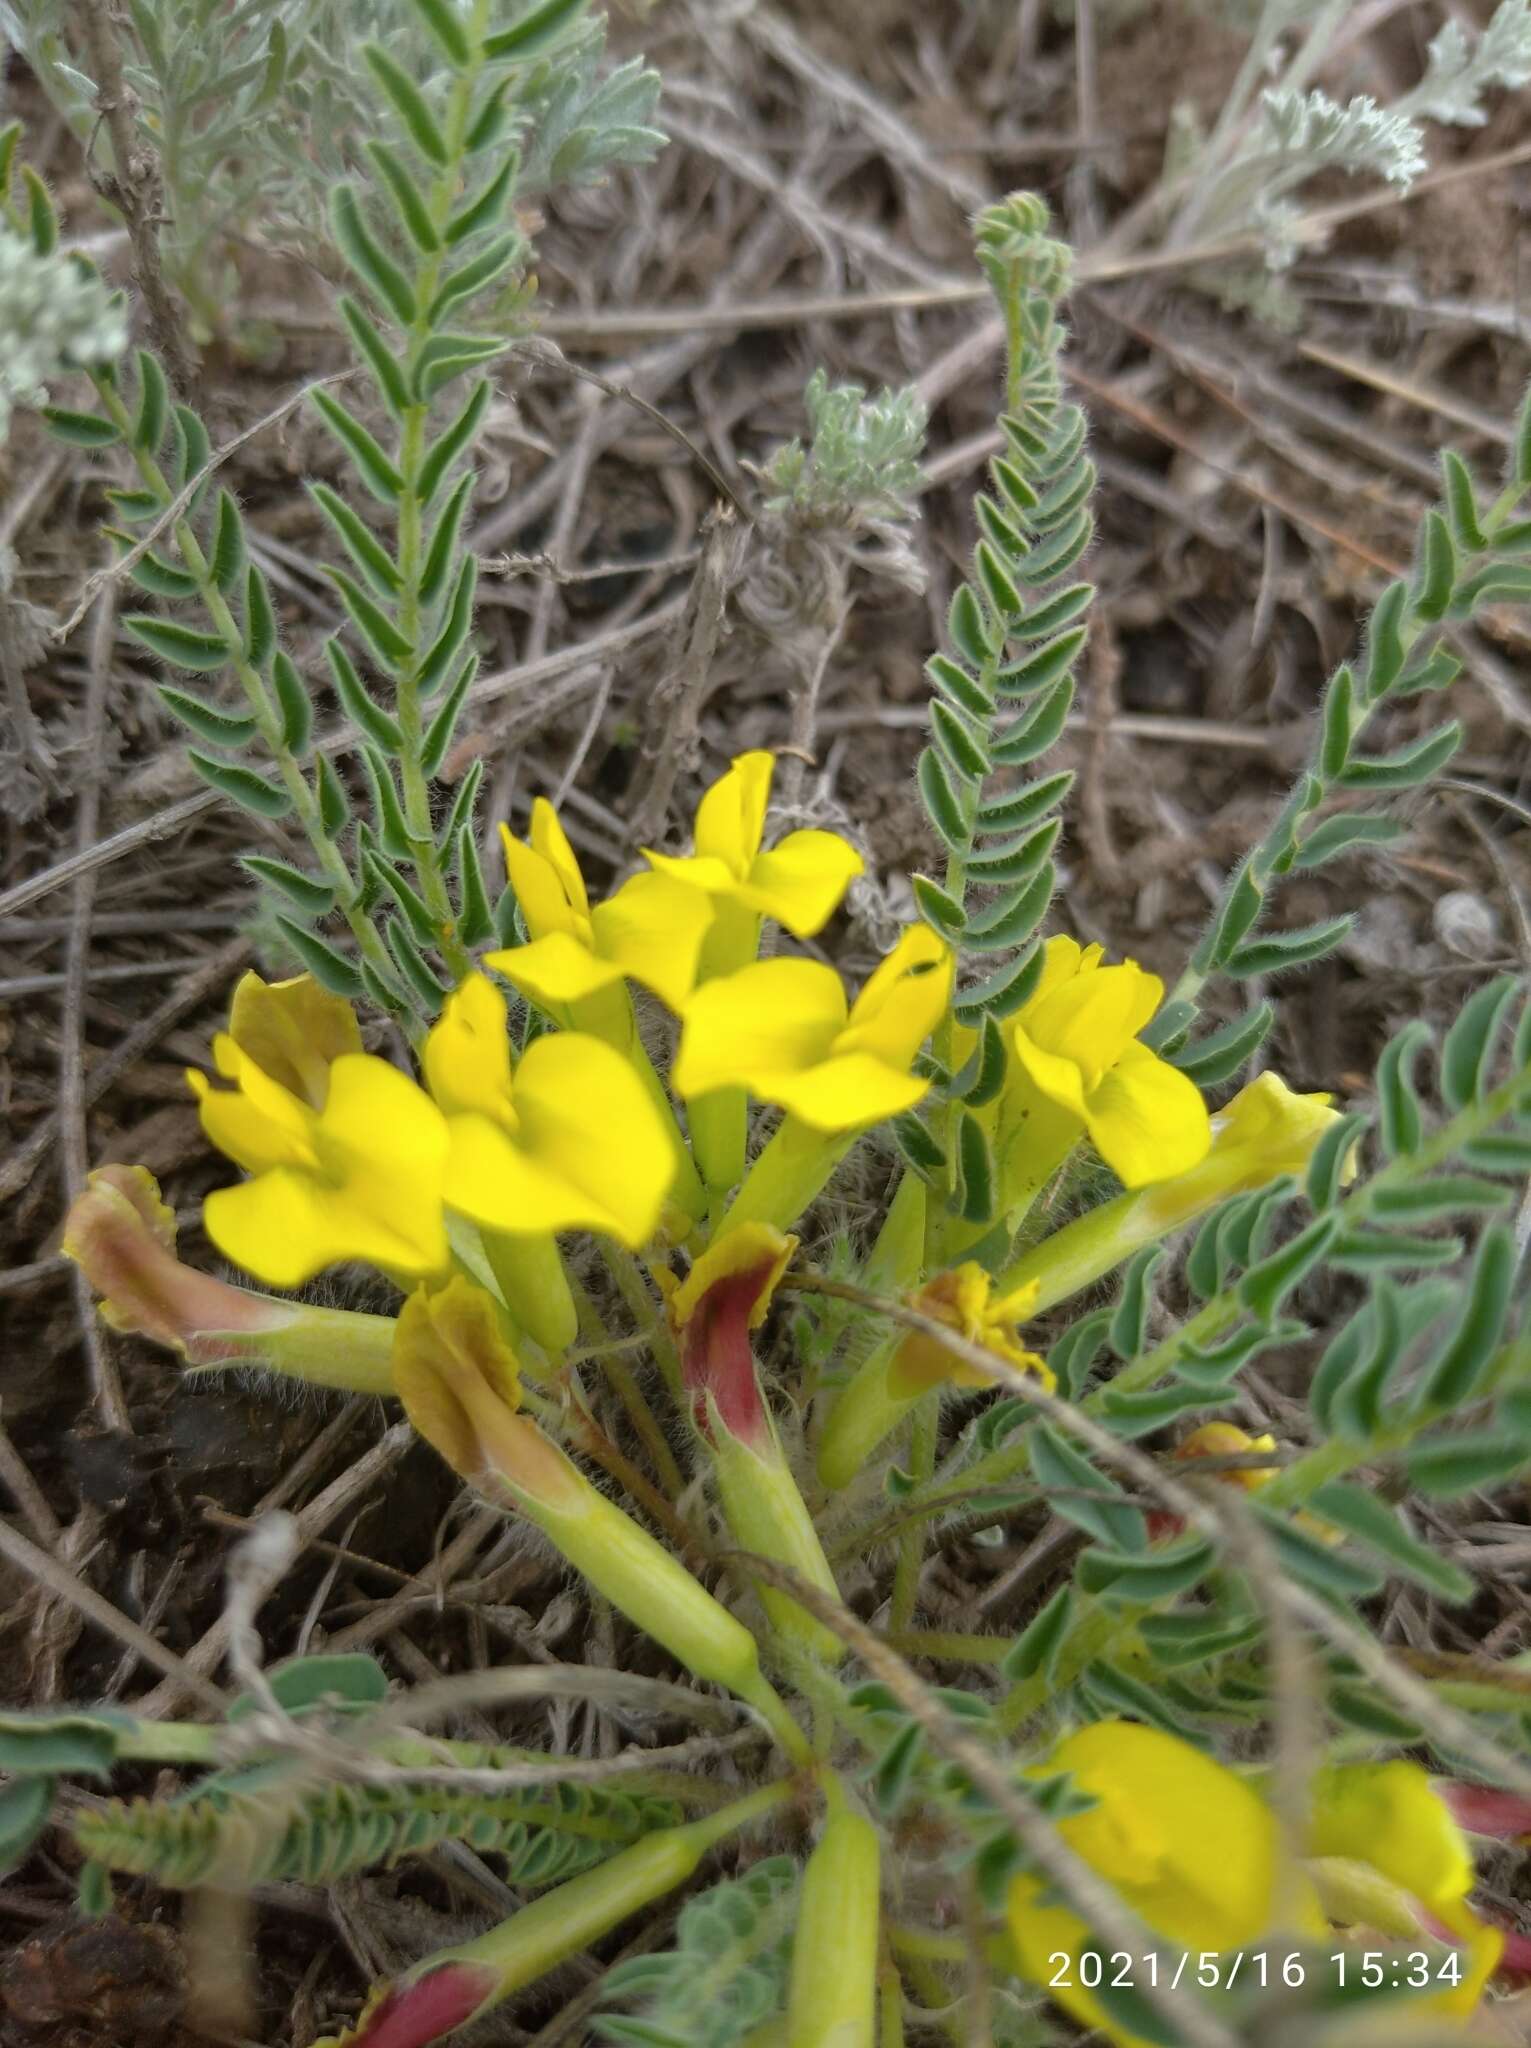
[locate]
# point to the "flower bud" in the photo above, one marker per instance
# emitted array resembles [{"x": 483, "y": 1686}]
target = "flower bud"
[
  {"x": 122, "y": 1237},
  {"x": 833, "y": 1997}
]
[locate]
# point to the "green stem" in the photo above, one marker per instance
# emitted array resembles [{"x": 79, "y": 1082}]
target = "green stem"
[{"x": 911, "y": 1542}]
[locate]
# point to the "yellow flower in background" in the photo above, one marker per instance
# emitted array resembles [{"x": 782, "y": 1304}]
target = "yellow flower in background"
[
  {"x": 294, "y": 1031},
  {"x": 1075, "y": 1041},
  {"x": 1189, "y": 1846},
  {"x": 571, "y": 1140},
  {"x": 781, "y": 1029},
  {"x": 964, "y": 1299},
  {"x": 1388, "y": 1855},
  {"x": 1227, "y": 1440},
  {"x": 358, "y": 1177},
  {"x": 1265, "y": 1131},
  {"x": 799, "y": 882},
  {"x": 651, "y": 929}
]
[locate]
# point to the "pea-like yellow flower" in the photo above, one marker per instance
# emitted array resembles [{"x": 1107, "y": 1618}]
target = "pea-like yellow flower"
[
  {"x": 799, "y": 882},
  {"x": 122, "y": 1237},
  {"x": 294, "y": 1031},
  {"x": 351, "y": 1168},
  {"x": 899, "y": 1375},
  {"x": 651, "y": 930},
  {"x": 571, "y": 1140},
  {"x": 1389, "y": 1855},
  {"x": 1265, "y": 1131},
  {"x": 1079, "y": 1067},
  {"x": 781, "y": 1028},
  {"x": 1188, "y": 1845},
  {"x": 460, "y": 1383}
]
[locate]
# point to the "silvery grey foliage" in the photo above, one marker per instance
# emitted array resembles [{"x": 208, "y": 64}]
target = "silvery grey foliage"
[
  {"x": 1315, "y": 132},
  {"x": 254, "y": 113},
  {"x": 862, "y": 461},
  {"x": 54, "y": 317},
  {"x": 1462, "y": 70},
  {"x": 1276, "y": 131}
]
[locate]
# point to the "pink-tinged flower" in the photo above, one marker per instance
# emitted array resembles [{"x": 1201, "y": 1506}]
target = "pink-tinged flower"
[
  {"x": 1485, "y": 1810},
  {"x": 414, "y": 2012},
  {"x": 713, "y": 1311},
  {"x": 122, "y": 1237}
]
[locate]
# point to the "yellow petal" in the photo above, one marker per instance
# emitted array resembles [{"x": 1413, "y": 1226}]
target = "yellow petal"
[
  {"x": 384, "y": 1142},
  {"x": 1390, "y": 1816},
  {"x": 753, "y": 1248},
  {"x": 285, "y": 1227},
  {"x": 697, "y": 871},
  {"x": 467, "y": 1052},
  {"x": 591, "y": 1149},
  {"x": 1146, "y": 1119},
  {"x": 1093, "y": 1016},
  {"x": 731, "y": 816},
  {"x": 551, "y": 841},
  {"x": 1051, "y": 1074},
  {"x": 758, "y": 1028},
  {"x": 850, "y": 1092},
  {"x": 903, "y": 1000},
  {"x": 258, "y": 1124},
  {"x": 652, "y": 929},
  {"x": 293, "y": 1030},
  {"x": 800, "y": 881},
  {"x": 554, "y": 971},
  {"x": 538, "y": 889}
]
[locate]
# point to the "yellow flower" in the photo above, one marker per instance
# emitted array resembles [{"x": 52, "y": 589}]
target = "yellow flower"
[
  {"x": 651, "y": 929},
  {"x": 572, "y": 1141},
  {"x": 1387, "y": 1822},
  {"x": 1265, "y": 1131},
  {"x": 781, "y": 1029},
  {"x": 1227, "y": 1440},
  {"x": 1079, "y": 1065},
  {"x": 294, "y": 1031},
  {"x": 799, "y": 881},
  {"x": 899, "y": 1375},
  {"x": 460, "y": 1383},
  {"x": 1189, "y": 1846},
  {"x": 357, "y": 1176},
  {"x": 122, "y": 1237},
  {"x": 964, "y": 1300}
]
